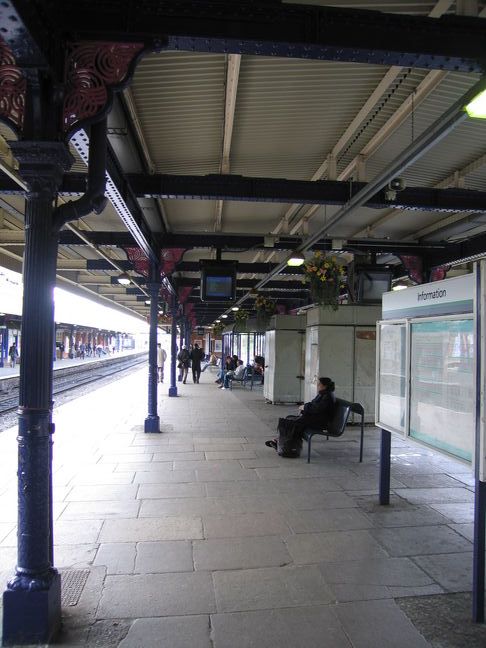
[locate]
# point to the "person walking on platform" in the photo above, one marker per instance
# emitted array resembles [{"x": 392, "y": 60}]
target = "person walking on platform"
[
  {"x": 184, "y": 360},
  {"x": 197, "y": 355},
  {"x": 13, "y": 354},
  {"x": 161, "y": 358}
]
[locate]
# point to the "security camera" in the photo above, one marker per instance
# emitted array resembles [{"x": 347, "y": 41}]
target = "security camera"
[{"x": 395, "y": 185}]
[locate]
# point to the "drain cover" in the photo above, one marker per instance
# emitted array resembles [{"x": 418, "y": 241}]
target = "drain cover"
[{"x": 72, "y": 585}]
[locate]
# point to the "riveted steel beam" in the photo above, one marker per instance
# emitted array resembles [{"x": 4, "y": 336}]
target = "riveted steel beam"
[{"x": 272, "y": 28}]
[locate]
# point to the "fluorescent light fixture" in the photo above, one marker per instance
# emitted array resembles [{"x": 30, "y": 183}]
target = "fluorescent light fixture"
[
  {"x": 477, "y": 107},
  {"x": 399, "y": 286},
  {"x": 235, "y": 308},
  {"x": 224, "y": 316},
  {"x": 124, "y": 279},
  {"x": 297, "y": 259}
]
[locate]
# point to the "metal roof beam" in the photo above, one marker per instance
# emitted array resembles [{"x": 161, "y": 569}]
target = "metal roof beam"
[
  {"x": 277, "y": 29},
  {"x": 325, "y": 192}
]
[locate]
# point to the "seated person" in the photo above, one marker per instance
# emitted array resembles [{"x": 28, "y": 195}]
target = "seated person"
[
  {"x": 316, "y": 413},
  {"x": 211, "y": 362},
  {"x": 231, "y": 375},
  {"x": 228, "y": 366}
]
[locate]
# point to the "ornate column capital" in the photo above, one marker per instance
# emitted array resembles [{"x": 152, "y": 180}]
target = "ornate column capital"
[{"x": 42, "y": 164}]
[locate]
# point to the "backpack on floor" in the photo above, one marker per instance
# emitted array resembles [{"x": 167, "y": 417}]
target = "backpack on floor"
[{"x": 289, "y": 442}]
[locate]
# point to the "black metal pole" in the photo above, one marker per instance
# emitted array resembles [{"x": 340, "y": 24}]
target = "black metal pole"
[
  {"x": 479, "y": 544},
  {"x": 173, "y": 349},
  {"x": 152, "y": 422},
  {"x": 32, "y": 600},
  {"x": 385, "y": 457}
]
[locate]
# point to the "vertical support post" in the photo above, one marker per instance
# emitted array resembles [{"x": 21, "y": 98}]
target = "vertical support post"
[
  {"x": 181, "y": 343},
  {"x": 173, "y": 349},
  {"x": 385, "y": 461},
  {"x": 32, "y": 600},
  {"x": 152, "y": 422},
  {"x": 479, "y": 544}
]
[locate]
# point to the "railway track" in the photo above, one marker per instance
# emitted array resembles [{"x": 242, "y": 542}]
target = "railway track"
[{"x": 78, "y": 378}]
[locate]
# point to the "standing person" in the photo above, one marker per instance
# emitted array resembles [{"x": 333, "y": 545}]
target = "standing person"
[
  {"x": 184, "y": 359},
  {"x": 197, "y": 355},
  {"x": 161, "y": 358},
  {"x": 13, "y": 354}
]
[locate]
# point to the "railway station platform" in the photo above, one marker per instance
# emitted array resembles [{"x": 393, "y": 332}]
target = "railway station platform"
[
  {"x": 202, "y": 537},
  {"x": 7, "y": 371}
]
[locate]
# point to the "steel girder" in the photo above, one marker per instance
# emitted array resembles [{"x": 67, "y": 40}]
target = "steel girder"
[
  {"x": 268, "y": 28},
  {"x": 304, "y": 192},
  {"x": 240, "y": 188}
]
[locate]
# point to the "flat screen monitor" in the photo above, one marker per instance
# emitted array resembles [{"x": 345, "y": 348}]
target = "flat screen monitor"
[
  {"x": 218, "y": 281},
  {"x": 372, "y": 283}
]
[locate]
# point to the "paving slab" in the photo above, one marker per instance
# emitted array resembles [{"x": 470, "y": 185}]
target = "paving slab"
[
  {"x": 99, "y": 510},
  {"x": 373, "y": 624},
  {"x": 311, "y": 548},
  {"x": 240, "y": 553},
  {"x": 413, "y": 541},
  {"x": 302, "y": 627},
  {"x": 329, "y": 520},
  {"x": 246, "y": 524},
  {"x": 116, "y": 557},
  {"x": 269, "y": 588},
  {"x": 152, "y": 595},
  {"x": 160, "y": 557},
  {"x": 151, "y": 529},
  {"x": 452, "y": 571},
  {"x": 173, "y": 632},
  {"x": 170, "y": 491}
]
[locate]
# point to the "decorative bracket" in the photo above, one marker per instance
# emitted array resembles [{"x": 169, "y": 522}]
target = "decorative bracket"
[
  {"x": 13, "y": 86},
  {"x": 93, "y": 71}
]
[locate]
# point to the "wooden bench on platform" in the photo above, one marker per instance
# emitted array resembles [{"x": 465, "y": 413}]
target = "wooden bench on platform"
[{"x": 337, "y": 425}]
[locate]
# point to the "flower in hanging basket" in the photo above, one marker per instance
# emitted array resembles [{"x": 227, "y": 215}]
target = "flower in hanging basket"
[
  {"x": 241, "y": 316},
  {"x": 325, "y": 278},
  {"x": 218, "y": 328},
  {"x": 265, "y": 305}
]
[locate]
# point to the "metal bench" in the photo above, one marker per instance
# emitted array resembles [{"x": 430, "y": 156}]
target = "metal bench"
[{"x": 337, "y": 424}]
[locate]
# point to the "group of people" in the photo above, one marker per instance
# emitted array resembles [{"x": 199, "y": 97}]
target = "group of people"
[
  {"x": 234, "y": 369},
  {"x": 190, "y": 359}
]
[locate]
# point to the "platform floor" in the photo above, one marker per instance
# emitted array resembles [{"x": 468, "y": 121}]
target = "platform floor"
[
  {"x": 7, "y": 371},
  {"x": 203, "y": 537}
]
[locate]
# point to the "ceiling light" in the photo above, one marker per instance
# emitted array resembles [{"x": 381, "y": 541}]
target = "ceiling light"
[
  {"x": 124, "y": 279},
  {"x": 235, "y": 308},
  {"x": 477, "y": 107},
  {"x": 217, "y": 321},
  {"x": 147, "y": 302},
  {"x": 224, "y": 316},
  {"x": 399, "y": 286},
  {"x": 297, "y": 259}
]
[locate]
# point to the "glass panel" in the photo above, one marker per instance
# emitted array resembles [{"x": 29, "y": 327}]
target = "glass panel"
[
  {"x": 442, "y": 406},
  {"x": 392, "y": 404}
]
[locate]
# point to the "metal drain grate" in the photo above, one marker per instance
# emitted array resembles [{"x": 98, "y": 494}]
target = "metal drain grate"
[{"x": 72, "y": 585}]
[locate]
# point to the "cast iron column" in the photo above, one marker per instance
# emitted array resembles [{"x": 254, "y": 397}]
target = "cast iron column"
[
  {"x": 32, "y": 600},
  {"x": 173, "y": 349},
  {"x": 152, "y": 422}
]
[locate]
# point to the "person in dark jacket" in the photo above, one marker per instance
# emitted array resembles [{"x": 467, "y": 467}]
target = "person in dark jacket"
[
  {"x": 184, "y": 360},
  {"x": 315, "y": 414},
  {"x": 197, "y": 355},
  {"x": 318, "y": 412}
]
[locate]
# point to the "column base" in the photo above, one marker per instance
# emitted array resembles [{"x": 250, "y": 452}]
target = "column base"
[
  {"x": 172, "y": 391},
  {"x": 32, "y": 617},
  {"x": 152, "y": 424}
]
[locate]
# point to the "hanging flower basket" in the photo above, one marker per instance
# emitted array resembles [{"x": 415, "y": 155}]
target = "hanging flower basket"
[
  {"x": 325, "y": 278},
  {"x": 265, "y": 308},
  {"x": 241, "y": 317},
  {"x": 218, "y": 329}
]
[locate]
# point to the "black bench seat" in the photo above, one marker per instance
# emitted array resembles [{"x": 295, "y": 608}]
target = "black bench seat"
[{"x": 337, "y": 424}]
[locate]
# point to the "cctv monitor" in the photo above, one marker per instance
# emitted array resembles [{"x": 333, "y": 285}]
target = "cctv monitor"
[
  {"x": 218, "y": 281},
  {"x": 372, "y": 283}
]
